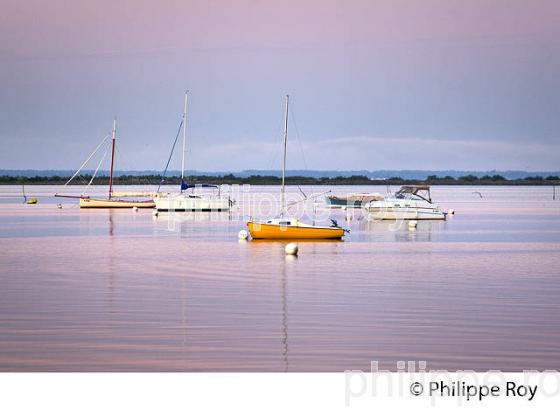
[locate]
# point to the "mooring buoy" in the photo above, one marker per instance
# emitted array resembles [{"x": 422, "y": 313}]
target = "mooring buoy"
[{"x": 291, "y": 249}]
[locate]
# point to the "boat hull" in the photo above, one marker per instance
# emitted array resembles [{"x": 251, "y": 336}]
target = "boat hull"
[
  {"x": 114, "y": 203},
  {"x": 192, "y": 204},
  {"x": 269, "y": 231},
  {"x": 395, "y": 213},
  {"x": 342, "y": 202}
]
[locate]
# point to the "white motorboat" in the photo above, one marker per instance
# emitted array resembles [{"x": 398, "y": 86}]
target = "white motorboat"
[
  {"x": 409, "y": 202},
  {"x": 191, "y": 198}
]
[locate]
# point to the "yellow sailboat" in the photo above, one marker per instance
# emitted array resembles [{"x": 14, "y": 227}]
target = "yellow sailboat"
[{"x": 290, "y": 228}]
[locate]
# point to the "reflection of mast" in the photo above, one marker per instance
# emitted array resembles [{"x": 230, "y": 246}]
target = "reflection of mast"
[
  {"x": 111, "y": 228},
  {"x": 284, "y": 319},
  {"x": 111, "y": 293},
  {"x": 184, "y": 310}
]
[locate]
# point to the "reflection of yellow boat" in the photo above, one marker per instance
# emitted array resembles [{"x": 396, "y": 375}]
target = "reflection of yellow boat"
[
  {"x": 292, "y": 229},
  {"x": 114, "y": 203}
]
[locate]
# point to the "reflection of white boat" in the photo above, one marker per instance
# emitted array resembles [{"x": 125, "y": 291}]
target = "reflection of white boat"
[
  {"x": 409, "y": 202},
  {"x": 187, "y": 201},
  {"x": 184, "y": 202}
]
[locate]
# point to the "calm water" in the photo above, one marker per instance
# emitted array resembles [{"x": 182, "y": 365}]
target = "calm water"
[{"x": 114, "y": 290}]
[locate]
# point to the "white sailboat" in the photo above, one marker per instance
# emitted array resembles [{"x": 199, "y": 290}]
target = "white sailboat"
[{"x": 187, "y": 200}]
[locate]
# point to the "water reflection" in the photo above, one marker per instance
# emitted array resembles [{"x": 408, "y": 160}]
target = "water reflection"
[
  {"x": 98, "y": 290},
  {"x": 400, "y": 231},
  {"x": 184, "y": 317},
  {"x": 185, "y": 224},
  {"x": 111, "y": 224},
  {"x": 285, "y": 314},
  {"x": 112, "y": 269},
  {"x": 180, "y": 217}
]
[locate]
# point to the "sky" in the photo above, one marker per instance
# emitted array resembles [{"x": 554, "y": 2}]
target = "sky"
[{"x": 373, "y": 84}]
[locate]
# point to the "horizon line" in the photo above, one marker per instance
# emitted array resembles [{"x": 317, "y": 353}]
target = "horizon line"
[{"x": 292, "y": 170}]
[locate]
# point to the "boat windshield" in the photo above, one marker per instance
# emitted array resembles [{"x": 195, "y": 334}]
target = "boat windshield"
[{"x": 414, "y": 192}]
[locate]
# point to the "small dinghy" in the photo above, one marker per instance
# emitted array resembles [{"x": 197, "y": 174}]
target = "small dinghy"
[{"x": 353, "y": 200}]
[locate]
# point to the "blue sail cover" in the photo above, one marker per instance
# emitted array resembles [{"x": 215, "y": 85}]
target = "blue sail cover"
[{"x": 185, "y": 186}]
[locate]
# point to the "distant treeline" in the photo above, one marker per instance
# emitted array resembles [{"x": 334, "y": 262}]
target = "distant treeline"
[{"x": 274, "y": 180}]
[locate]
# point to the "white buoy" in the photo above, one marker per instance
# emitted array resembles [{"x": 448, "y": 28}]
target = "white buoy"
[
  {"x": 243, "y": 235},
  {"x": 155, "y": 212},
  {"x": 135, "y": 209},
  {"x": 291, "y": 249},
  {"x": 451, "y": 211},
  {"x": 349, "y": 217},
  {"x": 59, "y": 206},
  {"x": 412, "y": 224}
]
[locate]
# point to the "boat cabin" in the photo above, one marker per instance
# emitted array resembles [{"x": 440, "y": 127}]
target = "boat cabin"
[{"x": 411, "y": 191}]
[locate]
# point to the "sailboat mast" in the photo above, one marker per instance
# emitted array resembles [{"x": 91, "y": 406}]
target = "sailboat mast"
[
  {"x": 184, "y": 139},
  {"x": 283, "y": 196},
  {"x": 114, "y": 137}
]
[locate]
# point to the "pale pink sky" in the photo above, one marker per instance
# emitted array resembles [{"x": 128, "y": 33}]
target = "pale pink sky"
[
  {"x": 475, "y": 83},
  {"x": 133, "y": 26}
]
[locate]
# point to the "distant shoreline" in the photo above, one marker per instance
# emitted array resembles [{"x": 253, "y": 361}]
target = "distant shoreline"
[{"x": 231, "y": 179}]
